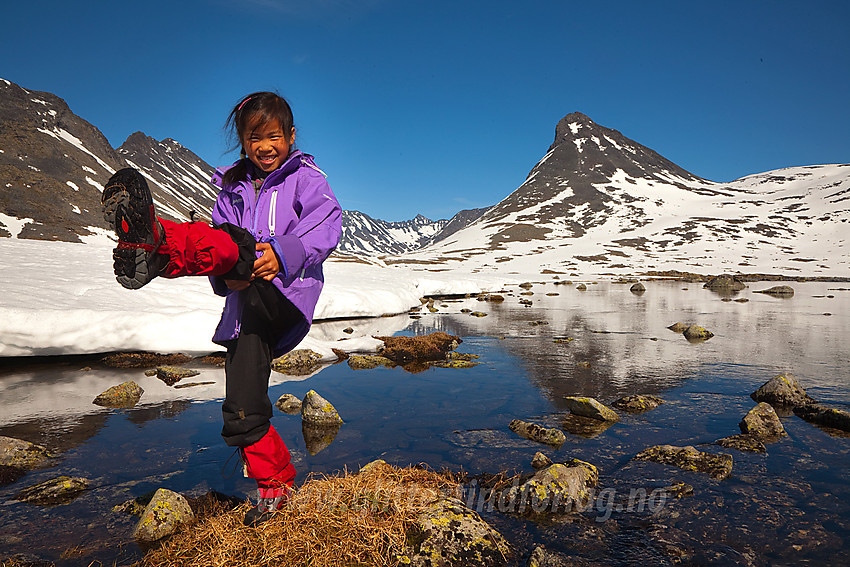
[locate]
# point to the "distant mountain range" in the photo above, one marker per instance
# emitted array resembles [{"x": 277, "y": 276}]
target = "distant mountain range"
[{"x": 595, "y": 202}]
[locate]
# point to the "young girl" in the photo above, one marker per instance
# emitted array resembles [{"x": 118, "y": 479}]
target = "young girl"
[{"x": 276, "y": 220}]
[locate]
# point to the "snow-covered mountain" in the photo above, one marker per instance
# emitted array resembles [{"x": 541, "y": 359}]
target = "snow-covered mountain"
[
  {"x": 54, "y": 164},
  {"x": 598, "y": 202}
]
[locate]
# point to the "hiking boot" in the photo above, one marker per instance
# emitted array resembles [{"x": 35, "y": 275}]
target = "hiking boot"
[
  {"x": 128, "y": 208},
  {"x": 269, "y": 501}
]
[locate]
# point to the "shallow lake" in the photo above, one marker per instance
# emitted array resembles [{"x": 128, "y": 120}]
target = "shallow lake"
[{"x": 786, "y": 507}]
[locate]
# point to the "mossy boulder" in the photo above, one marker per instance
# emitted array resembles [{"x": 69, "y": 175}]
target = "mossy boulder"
[
  {"x": 782, "y": 390},
  {"x": 697, "y": 333},
  {"x": 554, "y": 437},
  {"x": 590, "y": 407},
  {"x": 23, "y": 455},
  {"x": 288, "y": 404},
  {"x": 448, "y": 534},
  {"x": 53, "y": 492},
  {"x": 316, "y": 410},
  {"x": 762, "y": 423},
  {"x": 637, "y": 403},
  {"x": 122, "y": 396},
  {"x": 561, "y": 487},
  {"x": 689, "y": 459},
  {"x": 298, "y": 362},
  {"x": 165, "y": 512}
]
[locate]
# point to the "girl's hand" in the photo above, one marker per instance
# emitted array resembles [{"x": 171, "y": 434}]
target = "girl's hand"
[
  {"x": 237, "y": 285},
  {"x": 266, "y": 266}
]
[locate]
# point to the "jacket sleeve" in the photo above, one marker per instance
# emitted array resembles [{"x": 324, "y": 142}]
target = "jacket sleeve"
[
  {"x": 319, "y": 227},
  {"x": 223, "y": 211}
]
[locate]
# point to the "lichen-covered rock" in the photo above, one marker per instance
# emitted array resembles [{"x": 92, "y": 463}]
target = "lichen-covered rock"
[
  {"x": 122, "y": 396},
  {"x": 448, "y": 534},
  {"x": 492, "y": 297},
  {"x": 318, "y": 411},
  {"x": 534, "y": 432},
  {"x": 478, "y": 314},
  {"x": 725, "y": 282},
  {"x": 540, "y": 461},
  {"x": 541, "y": 557},
  {"x": 22, "y": 454},
  {"x": 678, "y": 327},
  {"x": 762, "y": 422},
  {"x": 454, "y": 363},
  {"x": 368, "y": 361},
  {"x": 581, "y": 287},
  {"x": 318, "y": 437},
  {"x": 143, "y": 359},
  {"x": 743, "y": 442},
  {"x": 372, "y": 466},
  {"x": 297, "y": 362},
  {"x": 563, "y": 340},
  {"x": 782, "y": 390},
  {"x": 637, "y": 288},
  {"x": 697, "y": 333},
  {"x": 637, "y": 403},
  {"x": 822, "y": 415},
  {"x": 59, "y": 490},
  {"x": 590, "y": 407},
  {"x": 526, "y": 285},
  {"x": 778, "y": 291},
  {"x": 164, "y": 513},
  {"x": 689, "y": 459},
  {"x": 561, "y": 487},
  {"x": 288, "y": 404},
  {"x": 173, "y": 374}
]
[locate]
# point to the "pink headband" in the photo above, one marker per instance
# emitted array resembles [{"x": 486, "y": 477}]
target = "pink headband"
[{"x": 242, "y": 104}]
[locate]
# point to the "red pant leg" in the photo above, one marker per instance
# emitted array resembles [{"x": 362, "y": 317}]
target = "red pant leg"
[
  {"x": 268, "y": 462},
  {"x": 197, "y": 249}
]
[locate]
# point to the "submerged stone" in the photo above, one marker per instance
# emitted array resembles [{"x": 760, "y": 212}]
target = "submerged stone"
[
  {"x": 534, "y": 432},
  {"x": 122, "y": 396},
  {"x": 54, "y": 492},
  {"x": 368, "y": 361},
  {"x": 288, "y": 404},
  {"x": 637, "y": 403},
  {"x": 778, "y": 291},
  {"x": 743, "y": 442},
  {"x": 822, "y": 415},
  {"x": 689, "y": 459},
  {"x": 590, "y": 407},
  {"x": 164, "y": 513}
]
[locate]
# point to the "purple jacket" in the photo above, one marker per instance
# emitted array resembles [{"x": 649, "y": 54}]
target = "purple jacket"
[{"x": 297, "y": 213}]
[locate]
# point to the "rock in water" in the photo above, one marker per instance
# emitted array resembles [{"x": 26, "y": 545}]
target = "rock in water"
[
  {"x": 22, "y": 454},
  {"x": 689, "y": 459},
  {"x": 288, "y": 404},
  {"x": 540, "y": 461},
  {"x": 534, "y": 432},
  {"x": 743, "y": 442},
  {"x": 589, "y": 407},
  {"x": 122, "y": 396},
  {"x": 782, "y": 390},
  {"x": 725, "y": 282},
  {"x": 432, "y": 346},
  {"x": 678, "y": 327},
  {"x": 173, "y": 374},
  {"x": 298, "y": 362},
  {"x": 316, "y": 410},
  {"x": 165, "y": 512},
  {"x": 558, "y": 488},
  {"x": 59, "y": 490},
  {"x": 449, "y": 534},
  {"x": 638, "y": 403},
  {"x": 368, "y": 362},
  {"x": 637, "y": 288},
  {"x": 763, "y": 423},
  {"x": 822, "y": 415},
  {"x": 697, "y": 333},
  {"x": 778, "y": 291}
]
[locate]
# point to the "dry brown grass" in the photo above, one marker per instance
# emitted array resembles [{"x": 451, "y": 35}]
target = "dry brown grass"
[
  {"x": 348, "y": 519},
  {"x": 432, "y": 346}
]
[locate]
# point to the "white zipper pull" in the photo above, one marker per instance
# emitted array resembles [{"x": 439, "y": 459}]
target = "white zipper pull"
[{"x": 272, "y": 213}]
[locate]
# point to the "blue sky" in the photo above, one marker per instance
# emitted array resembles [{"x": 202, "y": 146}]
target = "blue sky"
[{"x": 432, "y": 107}]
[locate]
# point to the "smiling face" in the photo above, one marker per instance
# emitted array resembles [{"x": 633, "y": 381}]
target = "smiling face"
[{"x": 267, "y": 145}]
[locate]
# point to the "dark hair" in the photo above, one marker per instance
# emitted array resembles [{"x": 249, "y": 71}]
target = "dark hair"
[{"x": 251, "y": 111}]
